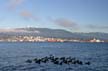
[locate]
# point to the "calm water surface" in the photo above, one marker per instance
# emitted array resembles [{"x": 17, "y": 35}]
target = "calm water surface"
[{"x": 14, "y": 55}]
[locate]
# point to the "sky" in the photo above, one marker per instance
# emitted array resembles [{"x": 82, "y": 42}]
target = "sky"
[{"x": 72, "y": 15}]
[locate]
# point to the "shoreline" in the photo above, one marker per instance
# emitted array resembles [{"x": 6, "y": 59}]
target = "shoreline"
[{"x": 45, "y": 42}]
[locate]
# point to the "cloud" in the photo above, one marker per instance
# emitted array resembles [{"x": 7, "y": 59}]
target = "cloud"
[
  {"x": 28, "y": 15},
  {"x": 66, "y": 23},
  {"x": 13, "y": 4},
  {"x": 97, "y": 27}
]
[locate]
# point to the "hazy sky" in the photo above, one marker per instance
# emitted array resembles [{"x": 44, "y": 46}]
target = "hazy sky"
[{"x": 73, "y": 15}]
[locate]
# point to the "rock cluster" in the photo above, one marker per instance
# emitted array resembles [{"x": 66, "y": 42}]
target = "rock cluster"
[{"x": 57, "y": 60}]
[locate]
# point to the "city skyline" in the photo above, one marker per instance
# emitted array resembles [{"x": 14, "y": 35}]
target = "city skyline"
[{"x": 72, "y": 15}]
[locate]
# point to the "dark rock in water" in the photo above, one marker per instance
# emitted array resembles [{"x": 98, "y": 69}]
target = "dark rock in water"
[
  {"x": 44, "y": 60},
  {"x": 62, "y": 58},
  {"x": 29, "y": 61},
  {"x": 87, "y": 63},
  {"x": 66, "y": 62},
  {"x": 81, "y": 63},
  {"x": 56, "y": 58},
  {"x": 56, "y": 62},
  {"x": 60, "y": 63},
  {"x": 38, "y": 61},
  {"x": 74, "y": 62}
]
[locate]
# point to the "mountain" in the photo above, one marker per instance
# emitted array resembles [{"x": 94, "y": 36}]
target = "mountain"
[{"x": 46, "y": 32}]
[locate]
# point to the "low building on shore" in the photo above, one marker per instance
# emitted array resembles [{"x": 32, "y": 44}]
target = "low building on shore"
[{"x": 96, "y": 40}]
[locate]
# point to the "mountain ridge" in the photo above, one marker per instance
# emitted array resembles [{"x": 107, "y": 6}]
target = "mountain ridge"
[{"x": 47, "y": 32}]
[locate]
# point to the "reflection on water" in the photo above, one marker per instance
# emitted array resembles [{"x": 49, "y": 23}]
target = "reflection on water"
[{"x": 14, "y": 55}]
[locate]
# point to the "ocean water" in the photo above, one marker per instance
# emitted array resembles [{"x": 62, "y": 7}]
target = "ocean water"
[{"x": 14, "y": 55}]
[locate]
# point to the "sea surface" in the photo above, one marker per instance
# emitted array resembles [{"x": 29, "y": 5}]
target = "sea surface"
[{"x": 14, "y": 54}]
